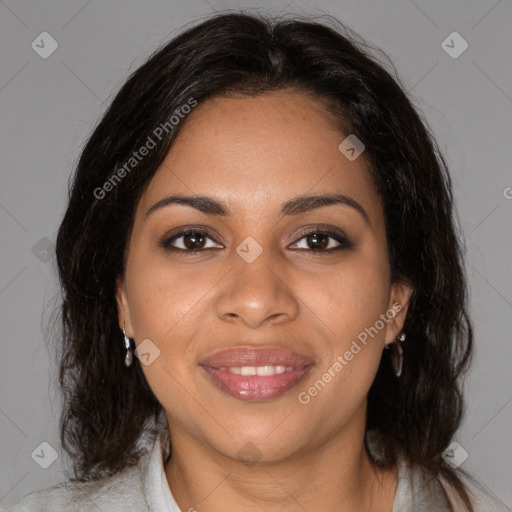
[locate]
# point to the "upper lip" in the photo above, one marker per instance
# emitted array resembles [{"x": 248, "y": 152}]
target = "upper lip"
[{"x": 251, "y": 356}]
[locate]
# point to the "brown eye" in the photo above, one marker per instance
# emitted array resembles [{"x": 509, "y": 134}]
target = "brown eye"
[
  {"x": 193, "y": 240},
  {"x": 318, "y": 241},
  {"x": 323, "y": 241},
  {"x": 189, "y": 241}
]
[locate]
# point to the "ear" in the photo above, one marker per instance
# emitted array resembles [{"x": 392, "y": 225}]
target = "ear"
[
  {"x": 123, "y": 310},
  {"x": 397, "y": 310}
]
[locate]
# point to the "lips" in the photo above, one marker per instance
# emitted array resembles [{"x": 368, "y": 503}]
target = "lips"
[{"x": 256, "y": 374}]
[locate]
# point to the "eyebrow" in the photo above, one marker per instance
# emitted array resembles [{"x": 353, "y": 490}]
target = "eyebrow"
[{"x": 295, "y": 206}]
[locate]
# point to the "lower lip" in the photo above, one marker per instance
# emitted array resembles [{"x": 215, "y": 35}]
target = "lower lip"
[{"x": 255, "y": 387}]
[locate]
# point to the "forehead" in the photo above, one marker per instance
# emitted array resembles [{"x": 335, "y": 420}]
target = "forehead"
[{"x": 254, "y": 151}]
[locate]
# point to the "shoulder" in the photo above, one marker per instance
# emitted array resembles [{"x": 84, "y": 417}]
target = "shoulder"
[
  {"x": 125, "y": 490},
  {"x": 420, "y": 491},
  {"x": 481, "y": 498},
  {"x": 114, "y": 494}
]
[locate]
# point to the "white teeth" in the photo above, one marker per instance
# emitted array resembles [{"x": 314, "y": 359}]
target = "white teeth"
[
  {"x": 257, "y": 370},
  {"x": 265, "y": 370}
]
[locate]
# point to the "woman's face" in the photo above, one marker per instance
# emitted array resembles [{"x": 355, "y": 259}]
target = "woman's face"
[{"x": 266, "y": 294}]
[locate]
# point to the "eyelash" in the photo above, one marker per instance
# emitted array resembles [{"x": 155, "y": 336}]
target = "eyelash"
[{"x": 343, "y": 241}]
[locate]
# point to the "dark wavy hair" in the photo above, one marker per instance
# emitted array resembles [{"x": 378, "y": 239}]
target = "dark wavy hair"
[{"x": 107, "y": 407}]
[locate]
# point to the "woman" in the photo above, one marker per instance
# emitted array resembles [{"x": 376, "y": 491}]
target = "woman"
[{"x": 264, "y": 298}]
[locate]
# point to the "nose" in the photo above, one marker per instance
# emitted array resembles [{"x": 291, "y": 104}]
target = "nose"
[{"x": 257, "y": 293}]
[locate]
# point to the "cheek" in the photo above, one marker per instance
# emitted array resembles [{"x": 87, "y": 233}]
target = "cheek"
[
  {"x": 169, "y": 307},
  {"x": 164, "y": 307},
  {"x": 164, "y": 300},
  {"x": 352, "y": 349},
  {"x": 349, "y": 303},
  {"x": 347, "y": 300}
]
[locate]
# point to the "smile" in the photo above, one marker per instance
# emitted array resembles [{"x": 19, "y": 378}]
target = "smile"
[
  {"x": 262, "y": 371},
  {"x": 272, "y": 373}
]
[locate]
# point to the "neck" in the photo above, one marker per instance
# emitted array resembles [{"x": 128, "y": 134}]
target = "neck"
[{"x": 336, "y": 476}]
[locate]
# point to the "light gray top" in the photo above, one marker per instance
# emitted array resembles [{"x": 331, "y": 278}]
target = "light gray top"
[{"x": 144, "y": 488}]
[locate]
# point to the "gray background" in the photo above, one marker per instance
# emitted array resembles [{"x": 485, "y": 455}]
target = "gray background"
[{"x": 49, "y": 107}]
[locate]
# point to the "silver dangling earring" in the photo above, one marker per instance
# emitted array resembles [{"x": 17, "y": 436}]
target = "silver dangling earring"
[
  {"x": 128, "y": 358},
  {"x": 397, "y": 354}
]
